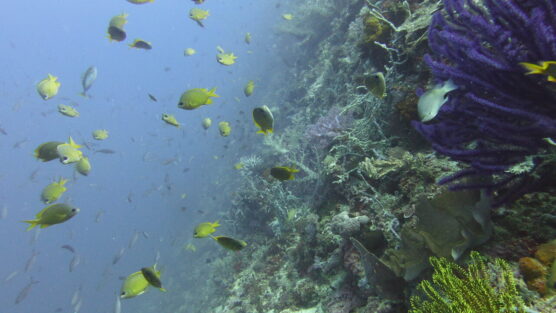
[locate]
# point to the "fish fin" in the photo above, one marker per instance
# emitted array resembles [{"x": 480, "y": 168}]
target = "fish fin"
[
  {"x": 261, "y": 132},
  {"x": 44, "y": 225},
  {"x": 33, "y": 224},
  {"x": 270, "y": 130},
  {"x": 73, "y": 144},
  {"x": 212, "y": 92},
  {"x": 552, "y": 79},
  {"x": 83, "y": 94},
  {"x": 215, "y": 224},
  {"x": 199, "y": 23},
  {"x": 532, "y": 68},
  {"x": 162, "y": 289},
  {"x": 209, "y": 101}
]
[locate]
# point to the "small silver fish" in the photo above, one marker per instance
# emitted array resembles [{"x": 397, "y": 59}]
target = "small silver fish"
[
  {"x": 74, "y": 262},
  {"x": 11, "y": 276},
  {"x": 118, "y": 305},
  {"x": 25, "y": 291},
  {"x": 134, "y": 239},
  {"x": 18, "y": 144},
  {"x": 35, "y": 236},
  {"x": 78, "y": 305},
  {"x": 31, "y": 261},
  {"x": 157, "y": 258},
  {"x": 69, "y": 248},
  {"x": 76, "y": 296},
  {"x": 105, "y": 151},
  {"x": 118, "y": 256},
  {"x": 88, "y": 79},
  {"x": 34, "y": 174}
]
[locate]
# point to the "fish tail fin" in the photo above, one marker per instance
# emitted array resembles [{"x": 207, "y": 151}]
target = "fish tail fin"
[
  {"x": 532, "y": 68},
  {"x": 212, "y": 92},
  {"x": 215, "y": 224},
  {"x": 33, "y": 224}
]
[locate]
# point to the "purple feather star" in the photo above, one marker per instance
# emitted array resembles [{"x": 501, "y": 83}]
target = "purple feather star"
[{"x": 498, "y": 117}]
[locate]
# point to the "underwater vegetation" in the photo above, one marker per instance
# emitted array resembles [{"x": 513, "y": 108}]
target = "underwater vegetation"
[
  {"x": 499, "y": 121},
  {"x": 455, "y": 289}
]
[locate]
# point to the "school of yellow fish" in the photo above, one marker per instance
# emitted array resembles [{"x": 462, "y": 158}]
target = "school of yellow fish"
[{"x": 70, "y": 152}]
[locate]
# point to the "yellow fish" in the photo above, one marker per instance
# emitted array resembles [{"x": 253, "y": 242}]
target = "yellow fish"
[
  {"x": 224, "y": 128},
  {"x": 139, "y": 1},
  {"x": 47, "y": 151},
  {"x": 136, "y": 284},
  {"x": 547, "y": 68},
  {"x": 141, "y": 44},
  {"x": 248, "y": 90},
  {"x": 225, "y": 58},
  {"x": 83, "y": 166},
  {"x": 207, "y": 122},
  {"x": 238, "y": 166},
  {"x": 48, "y": 87},
  {"x": 264, "y": 120},
  {"x": 196, "y": 97},
  {"x": 283, "y": 172},
  {"x": 198, "y": 15},
  {"x": 53, "y": 191},
  {"x": 204, "y": 229},
  {"x": 68, "y": 110},
  {"x": 116, "y": 27},
  {"x": 170, "y": 119},
  {"x": 68, "y": 152},
  {"x": 53, "y": 214},
  {"x": 248, "y": 38},
  {"x": 376, "y": 84},
  {"x": 100, "y": 134},
  {"x": 287, "y": 16},
  {"x": 230, "y": 243},
  {"x": 189, "y": 52}
]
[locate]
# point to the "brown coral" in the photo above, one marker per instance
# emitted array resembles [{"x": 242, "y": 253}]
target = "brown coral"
[
  {"x": 546, "y": 253},
  {"x": 531, "y": 268}
]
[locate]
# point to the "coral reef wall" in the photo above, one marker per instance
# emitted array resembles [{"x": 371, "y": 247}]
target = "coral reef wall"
[{"x": 356, "y": 228}]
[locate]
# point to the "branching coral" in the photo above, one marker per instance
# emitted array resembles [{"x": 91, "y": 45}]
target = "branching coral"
[
  {"x": 472, "y": 290},
  {"x": 498, "y": 116}
]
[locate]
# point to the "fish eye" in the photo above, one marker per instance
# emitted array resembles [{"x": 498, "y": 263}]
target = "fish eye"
[
  {"x": 123, "y": 293},
  {"x": 74, "y": 209},
  {"x": 65, "y": 158},
  {"x": 165, "y": 115}
]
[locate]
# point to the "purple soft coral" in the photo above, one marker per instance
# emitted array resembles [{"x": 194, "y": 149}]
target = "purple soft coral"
[{"x": 498, "y": 116}]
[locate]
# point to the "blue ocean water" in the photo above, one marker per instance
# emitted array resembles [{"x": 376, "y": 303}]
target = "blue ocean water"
[{"x": 156, "y": 169}]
